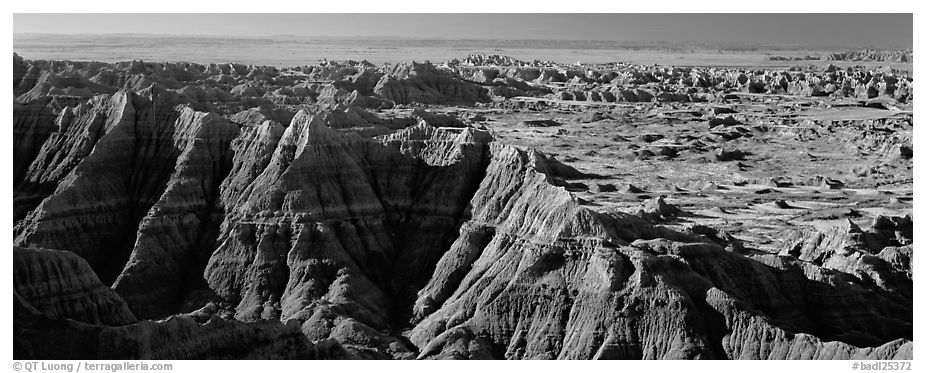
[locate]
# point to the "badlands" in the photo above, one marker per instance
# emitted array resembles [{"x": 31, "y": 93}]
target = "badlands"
[{"x": 481, "y": 208}]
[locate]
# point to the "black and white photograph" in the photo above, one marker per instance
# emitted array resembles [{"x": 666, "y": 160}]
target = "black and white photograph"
[{"x": 461, "y": 186}]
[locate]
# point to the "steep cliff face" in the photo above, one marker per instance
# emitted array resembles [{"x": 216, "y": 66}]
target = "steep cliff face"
[
  {"x": 31, "y": 127},
  {"x": 62, "y": 285},
  {"x": 40, "y": 336},
  {"x": 880, "y": 255},
  {"x": 471, "y": 244},
  {"x": 557, "y": 280},
  {"x": 67, "y": 140},
  {"x": 19, "y": 69},
  {"x": 752, "y": 336},
  {"x": 340, "y": 234},
  {"x": 171, "y": 237},
  {"x": 107, "y": 169},
  {"x": 694, "y": 300},
  {"x": 62, "y": 311},
  {"x": 344, "y": 229}
]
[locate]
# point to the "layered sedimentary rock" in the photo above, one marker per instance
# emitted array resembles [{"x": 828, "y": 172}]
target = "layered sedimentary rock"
[
  {"x": 62, "y": 285},
  {"x": 880, "y": 255},
  {"x": 171, "y": 236},
  {"x": 565, "y": 282},
  {"x": 343, "y": 229},
  {"x": 107, "y": 169},
  {"x": 231, "y": 88},
  {"x": 62, "y": 311},
  {"x": 66, "y": 141},
  {"x": 33, "y": 124},
  {"x": 423, "y": 83},
  {"x": 38, "y": 336},
  {"x": 159, "y": 221}
]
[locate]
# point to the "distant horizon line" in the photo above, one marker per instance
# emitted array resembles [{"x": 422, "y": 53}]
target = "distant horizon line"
[{"x": 643, "y": 42}]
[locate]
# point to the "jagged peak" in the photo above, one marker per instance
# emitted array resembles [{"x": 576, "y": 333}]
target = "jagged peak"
[
  {"x": 549, "y": 165},
  {"x": 419, "y": 69},
  {"x": 333, "y": 236},
  {"x": 119, "y": 103},
  {"x": 562, "y": 215},
  {"x": 422, "y": 131},
  {"x": 308, "y": 129},
  {"x": 269, "y": 126},
  {"x": 209, "y": 117},
  {"x": 476, "y": 135},
  {"x": 123, "y": 95},
  {"x": 198, "y": 123}
]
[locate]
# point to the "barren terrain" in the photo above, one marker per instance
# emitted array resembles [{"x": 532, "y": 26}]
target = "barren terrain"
[{"x": 485, "y": 207}]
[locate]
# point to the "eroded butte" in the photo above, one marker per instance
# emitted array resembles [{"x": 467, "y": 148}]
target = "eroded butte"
[{"x": 484, "y": 208}]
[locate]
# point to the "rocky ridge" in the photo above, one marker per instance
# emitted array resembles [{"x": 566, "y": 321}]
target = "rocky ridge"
[{"x": 149, "y": 211}]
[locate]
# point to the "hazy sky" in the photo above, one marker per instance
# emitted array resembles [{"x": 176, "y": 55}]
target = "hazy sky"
[{"x": 888, "y": 30}]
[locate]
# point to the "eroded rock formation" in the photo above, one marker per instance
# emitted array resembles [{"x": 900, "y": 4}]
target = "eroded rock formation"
[{"x": 154, "y": 220}]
